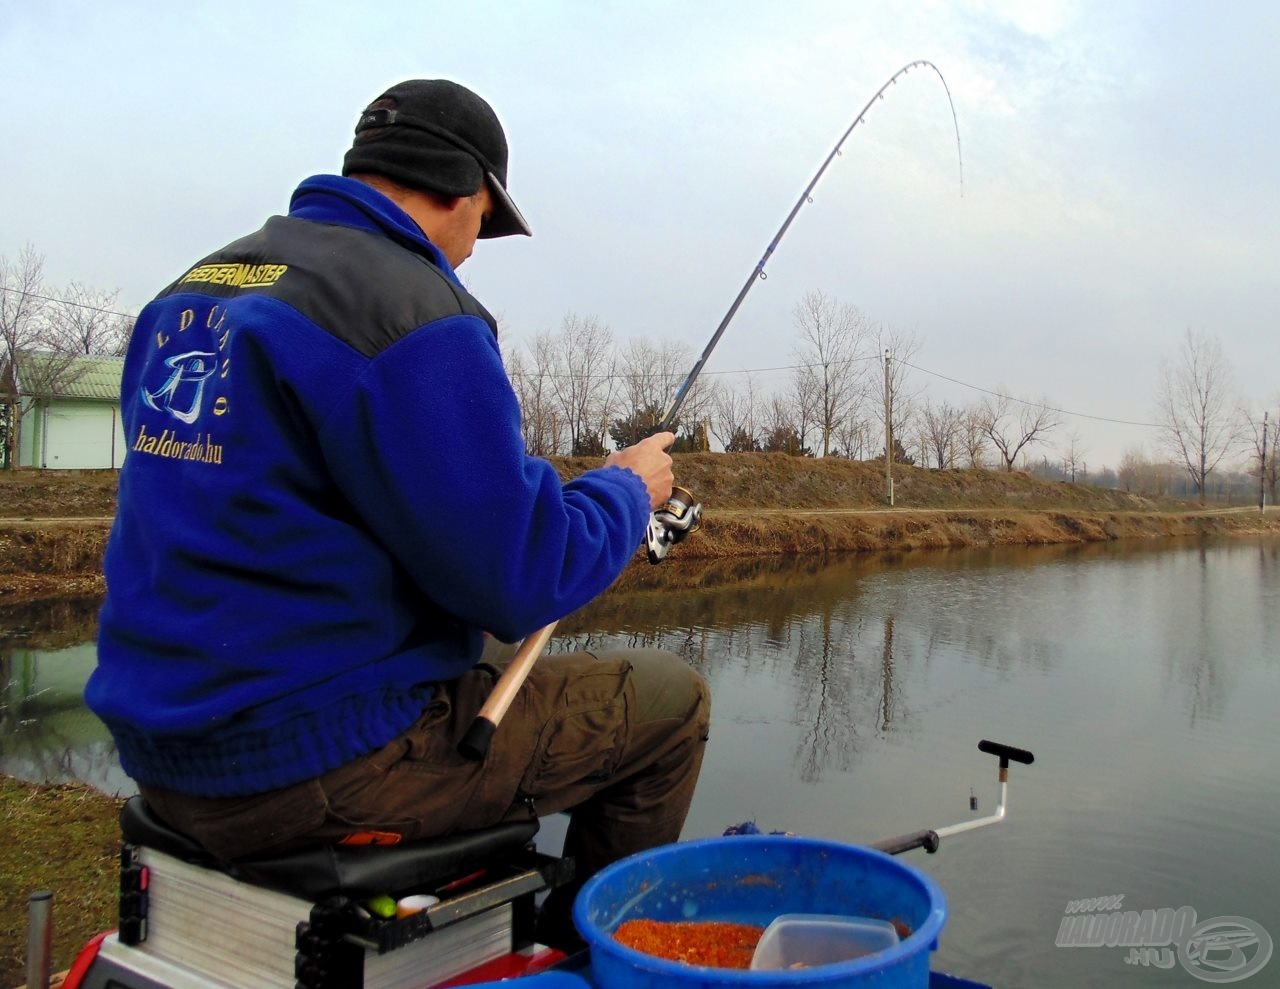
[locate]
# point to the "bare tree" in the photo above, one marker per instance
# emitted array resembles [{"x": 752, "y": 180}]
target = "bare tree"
[
  {"x": 43, "y": 334},
  {"x": 805, "y": 404},
  {"x": 33, "y": 365},
  {"x": 1129, "y": 472},
  {"x": 648, "y": 376},
  {"x": 83, "y": 320},
  {"x": 780, "y": 432},
  {"x": 695, "y": 415},
  {"x": 942, "y": 427},
  {"x": 973, "y": 438},
  {"x": 582, "y": 381},
  {"x": 1263, "y": 434},
  {"x": 1273, "y": 458},
  {"x": 833, "y": 339},
  {"x": 1073, "y": 455},
  {"x": 1014, "y": 424},
  {"x": 21, "y": 323},
  {"x": 902, "y": 347},
  {"x": 853, "y": 438},
  {"x": 640, "y": 382},
  {"x": 531, "y": 373},
  {"x": 1195, "y": 407},
  {"x": 733, "y": 417}
]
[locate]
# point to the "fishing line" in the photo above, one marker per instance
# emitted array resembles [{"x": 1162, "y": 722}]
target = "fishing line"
[{"x": 758, "y": 272}]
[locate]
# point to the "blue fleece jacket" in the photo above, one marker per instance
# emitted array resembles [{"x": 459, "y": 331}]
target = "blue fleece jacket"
[{"x": 325, "y": 500}]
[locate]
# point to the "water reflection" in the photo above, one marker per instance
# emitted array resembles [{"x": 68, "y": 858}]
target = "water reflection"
[
  {"x": 46, "y": 733},
  {"x": 843, "y": 640}
]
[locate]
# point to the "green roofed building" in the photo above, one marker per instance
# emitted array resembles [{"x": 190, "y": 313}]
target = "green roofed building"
[{"x": 68, "y": 409}]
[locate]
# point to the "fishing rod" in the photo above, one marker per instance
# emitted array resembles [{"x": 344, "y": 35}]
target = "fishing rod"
[
  {"x": 758, "y": 272},
  {"x": 681, "y": 514}
]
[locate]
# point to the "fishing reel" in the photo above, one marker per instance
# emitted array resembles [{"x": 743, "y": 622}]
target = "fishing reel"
[{"x": 678, "y": 516}]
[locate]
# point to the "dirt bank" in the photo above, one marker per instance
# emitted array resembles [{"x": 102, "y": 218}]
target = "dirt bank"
[
  {"x": 53, "y": 525},
  {"x": 740, "y": 534}
]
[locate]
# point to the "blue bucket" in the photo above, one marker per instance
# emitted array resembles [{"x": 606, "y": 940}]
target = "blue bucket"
[{"x": 751, "y": 880}]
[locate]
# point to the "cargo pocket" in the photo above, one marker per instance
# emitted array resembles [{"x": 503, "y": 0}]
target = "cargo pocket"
[
  {"x": 585, "y": 740},
  {"x": 417, "y": 786}
]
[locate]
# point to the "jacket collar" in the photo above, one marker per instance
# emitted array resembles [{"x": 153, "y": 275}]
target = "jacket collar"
[{"x": 351, "y": 203}]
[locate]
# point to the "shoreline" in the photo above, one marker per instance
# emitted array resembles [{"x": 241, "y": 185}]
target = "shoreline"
[
  {"x": 54, "y": 524},
  {"x": 54, "y": 558}
]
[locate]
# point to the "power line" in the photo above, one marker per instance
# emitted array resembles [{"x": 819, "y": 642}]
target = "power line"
[
  {"x": 674, "y": 376},
  {"x": 66, "y": 302},
  {"x": 1035, "y": 405},
  {"x": 752, "y": 370},
  {"x": 794, "y": 367}
]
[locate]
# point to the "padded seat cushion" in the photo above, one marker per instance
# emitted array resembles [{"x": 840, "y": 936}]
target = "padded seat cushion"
[{"x": 329, "y": 870}]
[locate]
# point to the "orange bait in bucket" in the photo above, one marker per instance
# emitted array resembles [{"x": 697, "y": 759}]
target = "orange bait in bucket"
[{"x": 715, "y": 944}]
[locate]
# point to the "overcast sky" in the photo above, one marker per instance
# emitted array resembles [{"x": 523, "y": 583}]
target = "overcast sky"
[{"x": 1121, "y": 162}]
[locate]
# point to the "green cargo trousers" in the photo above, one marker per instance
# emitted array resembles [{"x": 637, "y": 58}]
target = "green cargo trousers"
[{"x": 614, "y": 737}]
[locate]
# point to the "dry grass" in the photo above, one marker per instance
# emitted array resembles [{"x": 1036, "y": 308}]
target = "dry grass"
[
  {"x": 64, "y": 839},
  {"x": 775, "y": 480},
  {"x": 59, "y": 547},
  {"x": 57, "y": 494}
]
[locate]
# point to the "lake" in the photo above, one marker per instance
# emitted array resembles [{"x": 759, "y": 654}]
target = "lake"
[{"x": 849, "y": 697}]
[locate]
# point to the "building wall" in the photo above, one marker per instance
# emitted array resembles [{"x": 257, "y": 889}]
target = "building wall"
[
  {"x": 26, "y": 437},
  {"x": 68, "y": 434}
]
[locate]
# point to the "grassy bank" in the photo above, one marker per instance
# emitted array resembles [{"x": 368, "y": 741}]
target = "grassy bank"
[
  {"x": 53, "y": 526},
  {"x": 64, "y": 559},
  {"x": 63, "y": 839}
]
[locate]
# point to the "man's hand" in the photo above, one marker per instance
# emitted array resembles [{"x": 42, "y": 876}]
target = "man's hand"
[{"x": 649, "y": 459}]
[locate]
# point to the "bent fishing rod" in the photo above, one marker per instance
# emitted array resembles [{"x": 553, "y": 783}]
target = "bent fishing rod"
[
  {"x": 680, "y": 515},
  {"x": 758, "y": 272}
]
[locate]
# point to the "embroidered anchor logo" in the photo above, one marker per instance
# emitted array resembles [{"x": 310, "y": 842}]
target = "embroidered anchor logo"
[{"x": 190, "y": 371}]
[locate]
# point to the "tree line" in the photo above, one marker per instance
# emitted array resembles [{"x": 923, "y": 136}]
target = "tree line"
[
  {"x": 849, "y": 393},
  {"x": 1203, "y": 424}
]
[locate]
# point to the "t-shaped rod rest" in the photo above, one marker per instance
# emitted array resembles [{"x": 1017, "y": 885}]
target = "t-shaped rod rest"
[
  {"x": 1006, "y": 753},
  {"x": 929, "y": 840}
]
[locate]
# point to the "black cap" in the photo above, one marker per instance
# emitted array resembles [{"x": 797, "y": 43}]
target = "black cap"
[{"x": 436, "y": 135}]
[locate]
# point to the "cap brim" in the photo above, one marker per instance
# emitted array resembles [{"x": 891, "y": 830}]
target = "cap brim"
[{"x": 506, "y": 220}]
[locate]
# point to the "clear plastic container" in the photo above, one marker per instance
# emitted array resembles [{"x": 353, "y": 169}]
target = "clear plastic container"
[{"x": 805, "y": 940}]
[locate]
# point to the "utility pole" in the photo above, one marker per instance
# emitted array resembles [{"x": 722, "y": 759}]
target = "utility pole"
[
  {"x": 1262, "y": 469},
  {"x": 888, "y": 429}
]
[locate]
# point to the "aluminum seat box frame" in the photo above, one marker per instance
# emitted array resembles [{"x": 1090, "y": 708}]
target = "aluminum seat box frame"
[{"x": 301, "y": 921}]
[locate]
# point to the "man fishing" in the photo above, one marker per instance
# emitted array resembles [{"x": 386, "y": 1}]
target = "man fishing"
[{"x": 326, "y": 506}]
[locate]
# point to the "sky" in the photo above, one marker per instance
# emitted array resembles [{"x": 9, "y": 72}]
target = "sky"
[{"x": 1120, "y": 164}]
